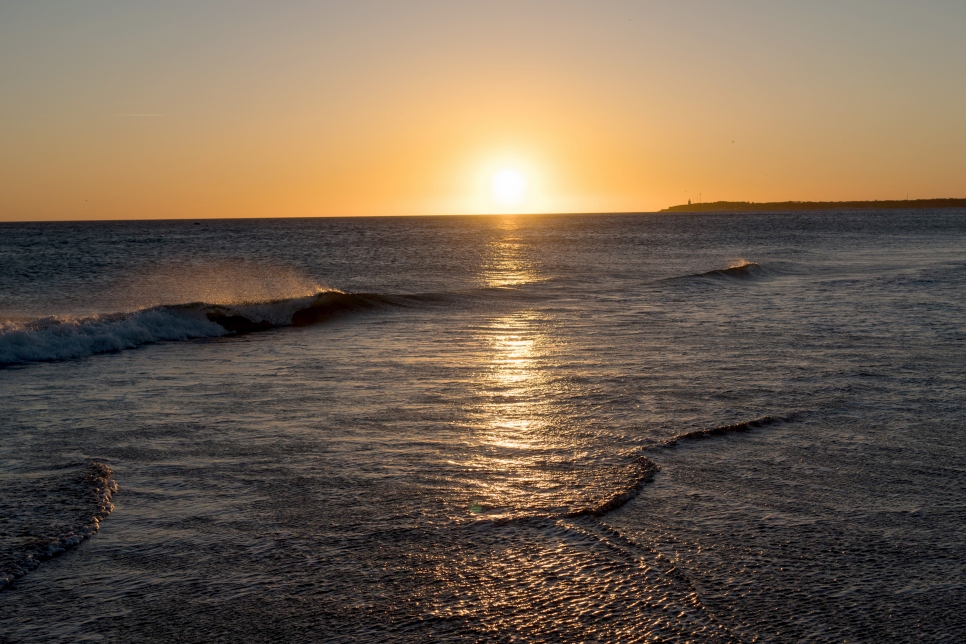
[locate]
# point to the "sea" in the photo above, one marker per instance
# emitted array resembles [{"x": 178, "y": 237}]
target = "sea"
[{"x": 664, "y": 427}]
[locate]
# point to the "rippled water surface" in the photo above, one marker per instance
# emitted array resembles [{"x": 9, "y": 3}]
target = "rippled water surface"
[{"x": 740, "y": 428}]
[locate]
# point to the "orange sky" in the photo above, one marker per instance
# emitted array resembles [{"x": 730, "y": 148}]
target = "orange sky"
[{"x": 242, "y": 109}]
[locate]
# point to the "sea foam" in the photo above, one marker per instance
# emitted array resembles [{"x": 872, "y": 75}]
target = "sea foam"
[
  {"x": 62, "y": 339},
  {"x": 59, "y": 514}
]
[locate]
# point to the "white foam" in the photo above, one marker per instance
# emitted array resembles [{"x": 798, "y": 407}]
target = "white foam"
[
  {"x": 93, "y": 495},
  {"x": 62, "y": 339}
]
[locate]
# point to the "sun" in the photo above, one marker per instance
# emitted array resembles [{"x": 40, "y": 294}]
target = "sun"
[{"x": 508, "y": 187}]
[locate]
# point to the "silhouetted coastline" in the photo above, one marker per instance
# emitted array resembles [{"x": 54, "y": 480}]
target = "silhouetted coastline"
[{"x": 778, "y": 206}]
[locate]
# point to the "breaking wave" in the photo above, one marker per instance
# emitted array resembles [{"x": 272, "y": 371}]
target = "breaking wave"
[
  {"x": 63, "y": 512},
  {"x": 741, "y": 270},
  {"x": 59, "y": 338}
]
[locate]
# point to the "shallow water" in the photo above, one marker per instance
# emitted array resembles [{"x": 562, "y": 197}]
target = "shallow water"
[{"x": 467, "y": 434}]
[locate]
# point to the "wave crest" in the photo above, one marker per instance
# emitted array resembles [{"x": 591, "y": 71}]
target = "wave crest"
[
  {"x": 645, "y": 469},
  {"x": 726, "y": 429},
  {"x": 640, "y": 473},
  {"x": 52, "y": 339},
  {"x": 743, "y": 269}
]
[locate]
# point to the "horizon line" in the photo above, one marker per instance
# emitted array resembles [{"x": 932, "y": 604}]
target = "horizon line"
[{"x": 670, "y": 210}]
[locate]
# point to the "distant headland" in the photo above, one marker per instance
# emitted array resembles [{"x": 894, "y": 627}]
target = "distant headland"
[{"x": 778, "y": 206}]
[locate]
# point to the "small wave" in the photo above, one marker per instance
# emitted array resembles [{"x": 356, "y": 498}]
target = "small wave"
[
  {"x": 83, "y": 502},
  {"x": 52, "y": 339},
  {"x": 741, "y": 270},
  {"x": 645, "y": 471},
  {"x": 641, "y": 473},
  {"x": 725, "y": 429}
]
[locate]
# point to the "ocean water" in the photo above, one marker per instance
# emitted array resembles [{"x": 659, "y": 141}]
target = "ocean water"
[{"x": 693, "y": 428}]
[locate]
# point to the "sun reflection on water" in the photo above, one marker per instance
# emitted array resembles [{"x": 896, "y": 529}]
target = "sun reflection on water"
[
  {"x": 508, "y": 261},
  {"x": 533, "y": 451},
  {"x": 513, "y": 435},
  {"x": 515, "y": 412}
]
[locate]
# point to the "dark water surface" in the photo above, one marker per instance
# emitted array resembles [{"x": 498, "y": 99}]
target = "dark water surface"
[{"x": 463, "y": 429}]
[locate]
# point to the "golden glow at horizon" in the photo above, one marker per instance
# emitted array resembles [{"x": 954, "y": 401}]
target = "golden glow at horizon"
[{"x": 339, "y": 111}]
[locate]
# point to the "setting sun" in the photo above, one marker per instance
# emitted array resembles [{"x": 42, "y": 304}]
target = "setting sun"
[{"x": 508, "y": 187}]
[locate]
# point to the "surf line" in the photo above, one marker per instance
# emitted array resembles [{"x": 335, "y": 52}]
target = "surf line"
[
  {"x": 646, "y": 470},
  {"x": 724, "y": 430},
  {"x": 96, "y": 486}
]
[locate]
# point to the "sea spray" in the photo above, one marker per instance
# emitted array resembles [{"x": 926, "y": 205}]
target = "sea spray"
[{"x": 58, "y": 338}]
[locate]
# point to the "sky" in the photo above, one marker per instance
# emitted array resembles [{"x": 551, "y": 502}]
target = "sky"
[{"x": 197, "y": 109}]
